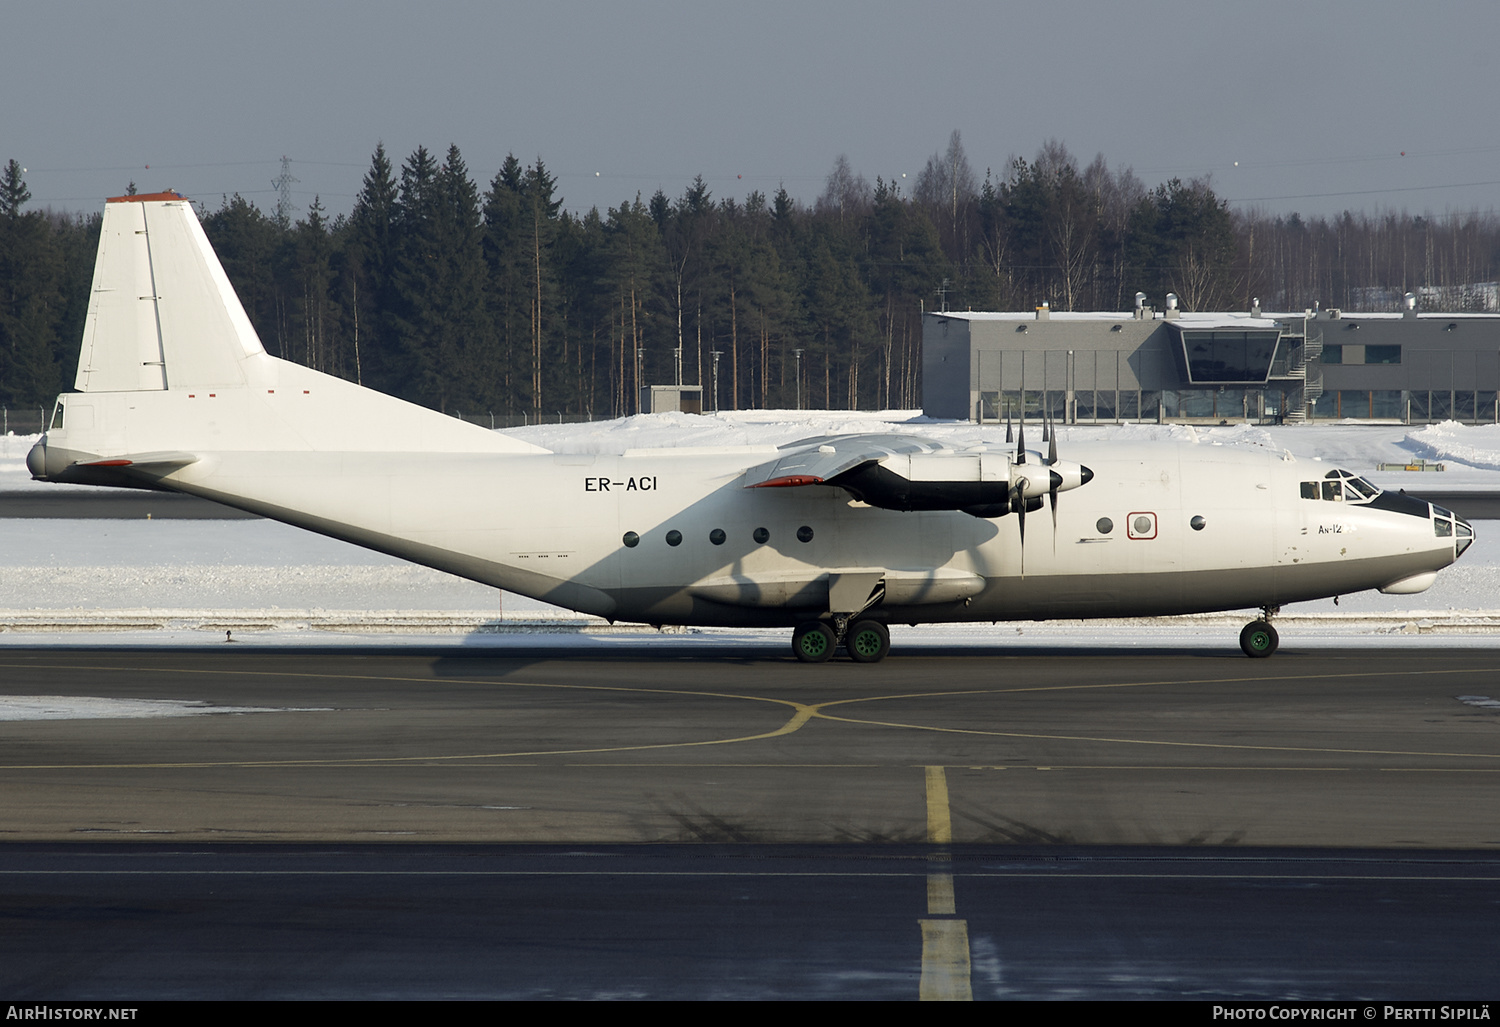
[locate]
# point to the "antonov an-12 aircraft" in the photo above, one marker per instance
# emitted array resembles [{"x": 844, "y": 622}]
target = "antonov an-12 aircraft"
[{"x": 834, "y": 537}]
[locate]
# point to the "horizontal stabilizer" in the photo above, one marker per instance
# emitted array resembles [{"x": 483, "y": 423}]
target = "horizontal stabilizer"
[{"x": 159, "y": 462}]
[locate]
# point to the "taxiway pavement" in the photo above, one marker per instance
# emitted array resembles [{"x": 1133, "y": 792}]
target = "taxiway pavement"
[
  {"x": 722, "y": 822},
  {"x": 737, "y": 744}
]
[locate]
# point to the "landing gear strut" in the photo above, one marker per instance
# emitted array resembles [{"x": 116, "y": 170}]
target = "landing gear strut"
[{"x": 1258, "y": 639}]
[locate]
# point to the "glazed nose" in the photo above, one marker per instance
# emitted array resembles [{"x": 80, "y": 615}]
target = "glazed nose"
[{"x": 1464, "y": 533}]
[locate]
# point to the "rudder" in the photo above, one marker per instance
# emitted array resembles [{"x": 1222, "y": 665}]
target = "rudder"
[{"x": 162, "y": 314}]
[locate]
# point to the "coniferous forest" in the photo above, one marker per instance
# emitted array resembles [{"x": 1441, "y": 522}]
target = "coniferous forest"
[{"x": 497, "y": 301}]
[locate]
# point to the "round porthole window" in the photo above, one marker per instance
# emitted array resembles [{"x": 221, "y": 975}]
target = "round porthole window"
[
  {"x": 674, "y": 537},
  {"x": 761, "y": 536},
  {"x": 1197, "y": 522},
  {"x": 631, "y": 540},
  {"x": 1142, "y": 525},
  {"x": 804, "y": 534},
  {"x": 1105, "y": 525},
  {"x": 717, "y": 536}
]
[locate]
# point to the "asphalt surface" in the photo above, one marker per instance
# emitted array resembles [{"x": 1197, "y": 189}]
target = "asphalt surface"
[
  {"x": 720, "y": 922},
  {"x": 698, "y": 823},
  {"x": 114, "y": 504}
]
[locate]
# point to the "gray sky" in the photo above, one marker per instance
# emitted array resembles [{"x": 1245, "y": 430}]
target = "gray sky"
[{"x": 1316, "y": 101}]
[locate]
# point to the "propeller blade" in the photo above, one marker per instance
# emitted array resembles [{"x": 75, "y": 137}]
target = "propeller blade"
[
  {"x": 1046, "y": 424},
  {"x": 1056, "y": 481},
  {"x": 1052, "y": 498},
  {"x": 1018, "y": 504},
  {"x": 1009, "y": 438},
  {"x": 1021, "y": 440}
]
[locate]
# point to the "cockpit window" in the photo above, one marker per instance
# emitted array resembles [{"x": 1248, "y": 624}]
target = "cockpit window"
[
  {"x": 1442, "y": 528},
  {"x": 1340, "y": 487}
]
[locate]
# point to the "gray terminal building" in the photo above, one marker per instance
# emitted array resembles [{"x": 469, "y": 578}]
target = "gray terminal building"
[{"x": 1145, "y": 365}]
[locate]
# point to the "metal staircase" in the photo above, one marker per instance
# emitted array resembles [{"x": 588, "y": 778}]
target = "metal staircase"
[{"x": 1302, "y": 370}]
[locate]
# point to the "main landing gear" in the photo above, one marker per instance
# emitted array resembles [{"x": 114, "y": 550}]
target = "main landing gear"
[
  {"x": 866, "y": 641},
  {"x": 1258, "y": 639}
]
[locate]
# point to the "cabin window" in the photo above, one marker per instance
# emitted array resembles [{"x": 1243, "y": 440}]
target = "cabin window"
[
  {"x": 1141, "y": 526},
  {"x": 761, "y": 536},
  {"x": 631, "y": 540},
  {"x": 717, "y": 536},
  {"x": 804, "y": 534},
  {"x": 674, "y": 537},
  {"x": 1105, "y": 525},
  {"x": 1309, "y": 490},
  {"x": 57, "y": 418}
]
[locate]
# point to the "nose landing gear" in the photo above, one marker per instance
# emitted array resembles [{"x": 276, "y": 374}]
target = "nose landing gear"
[{"x": 1258, "y": 639}]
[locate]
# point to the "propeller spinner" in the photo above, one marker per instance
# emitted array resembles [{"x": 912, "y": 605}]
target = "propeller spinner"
[{"x": 1061, "y": 476}]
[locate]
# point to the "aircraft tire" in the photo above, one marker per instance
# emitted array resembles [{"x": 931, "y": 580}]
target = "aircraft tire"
[
  {"x": 1259, "y": 639},
  {"x": 868, "y": 641},
  {"x": 813, "y": 641}
]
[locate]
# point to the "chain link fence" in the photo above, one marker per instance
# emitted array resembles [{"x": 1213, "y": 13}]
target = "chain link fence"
[{"x": 22, "y": 420}]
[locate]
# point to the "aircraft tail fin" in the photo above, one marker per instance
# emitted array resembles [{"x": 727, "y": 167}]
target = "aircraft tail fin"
[
  {"x": 170, "y": 364},
  {"x": 162, "y": 314}
]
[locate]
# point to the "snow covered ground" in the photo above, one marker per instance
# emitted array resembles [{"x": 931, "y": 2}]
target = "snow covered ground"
[{"x": 178, "y": 581}]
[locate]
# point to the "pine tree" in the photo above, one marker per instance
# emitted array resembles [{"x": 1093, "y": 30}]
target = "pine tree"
[
  {"x": 365, "y": 279},
  {"x": 13, "y": 191},
  {"x": 438, "y": 282},
  {"x": 30, "y": 297},
  {"x": 503, "y": 252},
  {"x": 539, "y": 209},
  {"x": 637, "y": 270}
]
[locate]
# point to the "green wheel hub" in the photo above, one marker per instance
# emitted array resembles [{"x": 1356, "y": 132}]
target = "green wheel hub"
[
  {"x": 813, "y": 642},
  {"x": 1259, "y": 640},
  {"x": 868, "y": 641}
]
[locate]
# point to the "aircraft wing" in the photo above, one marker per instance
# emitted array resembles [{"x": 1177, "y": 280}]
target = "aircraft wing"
[
  {"x": 817, "y": 461},
  {"x": 908, "y": 472}
]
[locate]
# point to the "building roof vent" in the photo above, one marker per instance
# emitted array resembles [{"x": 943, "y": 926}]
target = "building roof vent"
[
  {"x": 1044, "y": 312},
  {"x": 1409, "y": 305},
  {"x": 1171, "y": 313}
]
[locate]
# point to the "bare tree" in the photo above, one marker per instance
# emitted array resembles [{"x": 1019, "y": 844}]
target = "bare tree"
[
  {"x": 846, "y": 195},
  {"x": 947, "y": 188}
]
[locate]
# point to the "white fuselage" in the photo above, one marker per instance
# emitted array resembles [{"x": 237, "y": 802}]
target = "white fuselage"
[{"x": 553, "y": 526}]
